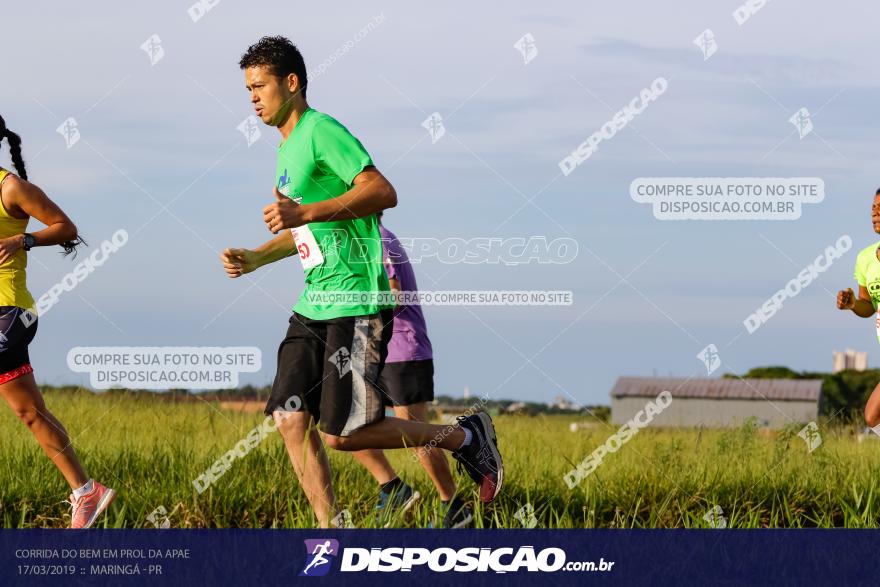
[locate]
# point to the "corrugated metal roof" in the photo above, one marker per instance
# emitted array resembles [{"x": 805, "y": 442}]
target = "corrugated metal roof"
[{"x": 771, "y": 389}]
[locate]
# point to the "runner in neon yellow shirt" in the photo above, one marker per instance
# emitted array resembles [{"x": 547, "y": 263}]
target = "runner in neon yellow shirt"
[{"x": 867, "y": 274}]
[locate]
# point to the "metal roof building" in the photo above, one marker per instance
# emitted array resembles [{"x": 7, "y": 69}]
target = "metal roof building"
[{"x": 718, "y": 402}]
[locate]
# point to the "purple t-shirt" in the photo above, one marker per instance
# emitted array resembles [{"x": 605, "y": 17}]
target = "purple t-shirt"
[{"x": 410, "y": 340}]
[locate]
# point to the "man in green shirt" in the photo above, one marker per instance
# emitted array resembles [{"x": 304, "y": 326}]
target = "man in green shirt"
[
  {"x": 867, "y": 275},
  {"x": 327, "y": 192}
]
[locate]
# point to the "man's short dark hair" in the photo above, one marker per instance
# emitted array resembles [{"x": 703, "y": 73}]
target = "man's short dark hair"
[
  {"x": 280, "y": 56},
  {"x": 877, "y": 193}
]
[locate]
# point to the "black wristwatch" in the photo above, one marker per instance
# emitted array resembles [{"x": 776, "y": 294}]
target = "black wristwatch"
[{"x": 29, "y": 242}]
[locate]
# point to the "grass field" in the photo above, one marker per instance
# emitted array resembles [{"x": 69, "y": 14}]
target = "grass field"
[{"x": 150, "y": 451}]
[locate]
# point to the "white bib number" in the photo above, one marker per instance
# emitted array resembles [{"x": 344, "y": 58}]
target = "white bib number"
[{"x": 307, "y": 247}]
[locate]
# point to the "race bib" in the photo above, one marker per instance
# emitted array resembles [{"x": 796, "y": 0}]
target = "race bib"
[{"x": 307, "y": 247}]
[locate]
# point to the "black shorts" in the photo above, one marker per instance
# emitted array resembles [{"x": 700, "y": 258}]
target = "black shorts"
[
  {"x": 408, "y": 382},
  {"x": 17, "y": 330},
  {"x": 333, "y": 368}
]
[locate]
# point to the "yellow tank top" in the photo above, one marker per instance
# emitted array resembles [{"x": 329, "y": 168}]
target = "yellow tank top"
[{"x": 13, "y": 278}]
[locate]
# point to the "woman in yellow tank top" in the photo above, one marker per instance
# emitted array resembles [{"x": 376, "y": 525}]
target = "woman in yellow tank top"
[{"x": 19, "y": 201}]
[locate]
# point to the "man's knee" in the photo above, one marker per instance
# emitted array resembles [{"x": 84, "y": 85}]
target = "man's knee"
[
  {"x": 343, "y": 443},
  {"x": 291, "y": 425}
]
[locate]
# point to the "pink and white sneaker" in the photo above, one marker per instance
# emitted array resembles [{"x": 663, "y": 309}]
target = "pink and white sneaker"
[{"x": 87, "y": 508}]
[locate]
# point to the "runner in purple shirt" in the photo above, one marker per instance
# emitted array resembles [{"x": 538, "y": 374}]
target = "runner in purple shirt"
[
  {"x": 410, "y": 341},
  {"x": 408, "y": 381}
]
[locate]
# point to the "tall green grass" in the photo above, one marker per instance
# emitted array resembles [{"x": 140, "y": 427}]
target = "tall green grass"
[{"x": 150, "y": 451}]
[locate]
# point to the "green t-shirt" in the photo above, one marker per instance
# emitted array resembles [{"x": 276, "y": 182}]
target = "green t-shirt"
[
  {"x": 319, "y": 160},
  {"x": 867, "y": 272}
]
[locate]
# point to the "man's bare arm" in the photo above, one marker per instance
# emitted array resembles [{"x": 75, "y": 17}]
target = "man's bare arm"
[
  {"x": 237, "y": 262},
  {"x": 862, "y": 306}
]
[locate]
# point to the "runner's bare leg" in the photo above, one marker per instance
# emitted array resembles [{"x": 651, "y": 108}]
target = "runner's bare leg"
[
  {"x": 433, "y": 461},
  {"x": 25, "y": 399},
  {"x": 309, "y": 461},
  {"x": 398, "y": 433}
]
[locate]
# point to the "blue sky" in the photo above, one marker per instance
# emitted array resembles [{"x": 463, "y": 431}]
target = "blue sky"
[{"x": 166, "y": 136}]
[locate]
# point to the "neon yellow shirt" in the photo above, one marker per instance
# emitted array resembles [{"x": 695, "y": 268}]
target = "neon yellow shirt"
[{"x": 867, "y": 272}]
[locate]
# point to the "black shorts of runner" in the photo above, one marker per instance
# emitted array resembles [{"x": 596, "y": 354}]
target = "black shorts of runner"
[
  {"x": 17, "y": 330},
  {"x": 332, "y": 368},
  {"x": 408, "y": 382}
]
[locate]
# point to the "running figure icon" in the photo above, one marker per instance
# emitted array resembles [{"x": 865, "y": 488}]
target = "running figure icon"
[{"x": 319, "y": 552}]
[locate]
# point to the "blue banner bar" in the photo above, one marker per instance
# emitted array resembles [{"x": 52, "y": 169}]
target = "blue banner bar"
[{"x": 515, "y": 557}]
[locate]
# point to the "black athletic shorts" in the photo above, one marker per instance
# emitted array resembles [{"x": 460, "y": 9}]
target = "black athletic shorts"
[
  {"x": 17, "y": 330},
  {"x": 408, "y": 382},
  {"x": 333, "y": 368}
]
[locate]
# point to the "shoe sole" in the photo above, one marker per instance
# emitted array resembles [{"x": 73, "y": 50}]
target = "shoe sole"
[
  {"x": 492, "y": 440},
  {"x": 463, "y": 523},
  {"x": 102, "y": 505},
  {"x": 416, "y": 496}
]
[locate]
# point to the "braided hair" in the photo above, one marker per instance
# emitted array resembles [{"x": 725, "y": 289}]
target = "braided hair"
[
  {"x": 14, "y": 148},
  {"x": 18, "y": 162}
]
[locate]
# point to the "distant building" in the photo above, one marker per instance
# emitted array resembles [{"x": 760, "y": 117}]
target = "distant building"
[
  {"x": 850, "y": 360},
  {"x": 719, "y": 402},
  {"x": 467, "y": 393},
  {"x": 562, "y": 403}
]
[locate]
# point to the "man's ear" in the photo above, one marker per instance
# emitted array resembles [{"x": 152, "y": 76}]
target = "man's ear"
[{"x": 293, "y": 83}]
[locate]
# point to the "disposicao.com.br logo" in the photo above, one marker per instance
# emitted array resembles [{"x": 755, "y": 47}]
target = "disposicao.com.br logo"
[{"x": 442, "y": 560}]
